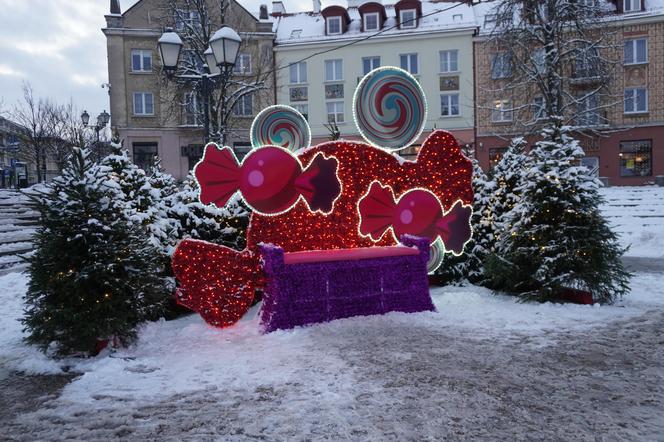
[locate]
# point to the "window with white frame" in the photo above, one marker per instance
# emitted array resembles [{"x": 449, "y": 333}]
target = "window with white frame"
[
  {"x": 187, "y": 20},
  {"x": 369, "y": 64},
  {"x": 539, "y": 60},
  {"x": 333, "y": 25},
  {"x": 242, "y": 64},
  {"x": 636, "y": 51},
  {"x": 587, "y": 110},
  {"x": 303, "y": 109},
  {"x": 244, "y": 106},
  {"x": 141, "y": 60},
  {"x": 449, "y": 105},
  {"x": 371, "y": 21},
  {"x": 409, "y": 63},
  {"x": 335, "y": 112},
  {"x": 192, "y": 109},
  {"x": 502, "y": 111},
  {"x": 298, "y": 72},
  {"x": 408, "y": 18},
  {"x": 636, "y": 100},
  {"x": 501, "y": 65},
  {"x": 631, "y": 5},
  {"x": 334, "y": 70},
  {"x": 143, "y": 103},
  {"x": 539, "y": 108},
  {"x": 449, "y": 61}
]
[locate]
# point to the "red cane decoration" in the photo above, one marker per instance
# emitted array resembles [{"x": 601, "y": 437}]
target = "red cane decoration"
[
  {"x": 270, "y": 179},
  {"x": 417, "y": 212}
]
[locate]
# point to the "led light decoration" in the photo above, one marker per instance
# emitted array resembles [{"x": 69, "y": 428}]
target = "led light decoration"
[
  {"x": 389, "y": 108},
  {"x": 436, "y": 256},
  {"x": 417, "y": 212},
  {"x": 271, "y": 179},
  {"x": 281, "y": 126},
  {"x": 218, "y": 282}
]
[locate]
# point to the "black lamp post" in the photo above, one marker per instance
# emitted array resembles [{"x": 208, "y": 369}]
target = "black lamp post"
[
  {"x": 102, "y": 120},
  {"x": 220, "y": 59}
]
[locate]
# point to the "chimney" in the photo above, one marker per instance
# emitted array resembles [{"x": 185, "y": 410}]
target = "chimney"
[
  {"x": 278, "y": 8},
  {"x": 263, "y": 13},
  {"x": 316, "y": 6},
  {"x": 115, "y": 7}
]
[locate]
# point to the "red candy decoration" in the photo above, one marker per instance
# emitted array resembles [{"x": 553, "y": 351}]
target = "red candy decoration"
[
  {"x": 417, "y": 212},
  {"x": 222, "y": 279},
  {"x": 270, "y": 179}
]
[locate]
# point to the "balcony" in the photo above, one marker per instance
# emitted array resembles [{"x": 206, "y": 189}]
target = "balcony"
[
  {"x": 591, "y": 119},
  {"x": 586, "y": 75}
]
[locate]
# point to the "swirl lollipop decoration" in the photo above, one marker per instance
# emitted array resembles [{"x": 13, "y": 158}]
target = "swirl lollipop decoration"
[
  {"x": 280, "y": 126},
  {"x": 389, "y": 108},
  {"x": 436, "y": 256}
]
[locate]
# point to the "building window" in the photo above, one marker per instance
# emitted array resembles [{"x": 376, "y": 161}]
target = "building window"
[
  {"x": 371, "y": 21},
  {"x": 501, "y": 66},
  {"x": 409, "y": 63},
  {"x": 636, "y": 158},
  {"x": 636, "y": 100},
  {"x": 449, "y": 105},
  {"x": 334, "y": 70},
  {"x": 592, "y": 164},
  {"x": 187, "y": 20},
  {"x": 502, "y": 111},
  {"x": 244, "y": 106},
  {"x": 587, "y": 110},
  {"x": 335, "y": 112},
  {"x": 143, "y": 103},
  {"x": 299, "y": 93},
  {"x": 631, "y": 5},
  {"x": 333, "y": 25},
  {"x": 303, "y": 109},
  {"x": 539, "y": 60},
  {"x": 192, "y": 109},
  {"x": 298, "y": 72},
  {"x": 144, "y": 155},
  {"x": 141, "y": 60},
  {"x": 495, "y": 155},
  {"x": 539, "y": 109},
  {"x": 369, "y": 64},
  {"x": 636, "y": 51},
  {"x": 408, "y": 18},
  {"x": 587, "y": 63},
  {"x": 333, "y": 91},
  {"x": 243, "y": 64},
  {"x": 449, "y": 61}
]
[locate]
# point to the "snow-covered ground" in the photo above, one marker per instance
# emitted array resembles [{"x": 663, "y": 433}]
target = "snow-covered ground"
[{"x": 464, "y": 370}]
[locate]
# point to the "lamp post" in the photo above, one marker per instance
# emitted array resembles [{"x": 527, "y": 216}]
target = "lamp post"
[
  {"x": 220, "y": 59},
  {"x": 102, "y": 120}
]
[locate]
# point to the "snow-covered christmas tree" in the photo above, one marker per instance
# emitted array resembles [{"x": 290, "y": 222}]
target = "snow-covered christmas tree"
[
  {"x": 559, "y": 239},
  {"x": 93, "y": 275}
]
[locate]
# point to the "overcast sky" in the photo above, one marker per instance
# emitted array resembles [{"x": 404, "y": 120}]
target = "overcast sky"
[{"x": 58, "y": 47}]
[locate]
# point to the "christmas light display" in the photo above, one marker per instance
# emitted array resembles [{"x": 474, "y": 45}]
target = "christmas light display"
[
  {"x": 417, "y": 212},
  {"x": 270, "y": 179},
  {"x": 389, "y": 108},
  {"x": 281, "y": 126},
  {"x": 223, "y": 276}
]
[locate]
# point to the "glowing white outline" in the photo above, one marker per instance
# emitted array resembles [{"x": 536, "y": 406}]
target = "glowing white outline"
[
  {"x": 282, "y": 107},
  {"x": 240, "y": 163},
  {"x": 424, "y": 97},
  {"x": 438, "y": 241},
  {"x": 397, "y": 200}
]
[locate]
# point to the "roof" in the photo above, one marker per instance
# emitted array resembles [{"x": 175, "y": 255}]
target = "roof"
[{"x": 305, "y": 27}]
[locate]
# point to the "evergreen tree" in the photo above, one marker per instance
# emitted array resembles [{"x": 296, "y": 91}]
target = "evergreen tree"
[
  {"x": 507, "y": 176},
  {"x": 469, "y": 266},
  {"x": 164, "y": 230},
  {"x": 559, "y": 239},
  {"x": 226, "y": 226},
  {"x": 93, "y": 275}
]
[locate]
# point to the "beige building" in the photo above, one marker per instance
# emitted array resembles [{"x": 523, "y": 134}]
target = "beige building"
[
  {"x": 157, "y": 117},
  {"x": 435, "y": 47}
]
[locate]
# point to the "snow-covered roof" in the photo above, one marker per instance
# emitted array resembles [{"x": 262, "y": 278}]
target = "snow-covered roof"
[{"x": 304, "y": 27}]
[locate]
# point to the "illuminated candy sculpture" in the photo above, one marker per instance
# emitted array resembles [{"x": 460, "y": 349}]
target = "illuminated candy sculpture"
[{"x": 280, "y": 126}]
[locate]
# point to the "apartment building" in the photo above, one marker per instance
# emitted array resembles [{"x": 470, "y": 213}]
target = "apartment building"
[
  {"x": 322, "y": 55},
  {"x": 625, "y": 146},
  {"x": 154, "y": 117}
]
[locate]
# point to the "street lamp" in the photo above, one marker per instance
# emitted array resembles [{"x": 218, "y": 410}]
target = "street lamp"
[
  {"x": 220, "y": 59},
  {"x": 102, "y": 120}
]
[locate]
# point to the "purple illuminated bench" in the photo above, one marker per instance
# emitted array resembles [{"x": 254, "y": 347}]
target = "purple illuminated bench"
[{"x": 319, "y": 286}]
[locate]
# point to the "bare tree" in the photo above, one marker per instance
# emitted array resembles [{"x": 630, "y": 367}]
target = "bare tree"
[
  {"x": 196, "y": 21},
  {"x": 556, "y": 58}
]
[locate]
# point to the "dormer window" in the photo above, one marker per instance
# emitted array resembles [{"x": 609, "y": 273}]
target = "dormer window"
[
  {"x": 371, "y": 21},
  {"x": 333, "y": 25},
  {"x": 631, "y": 5},
  {"x": 408, "y": 18}
]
